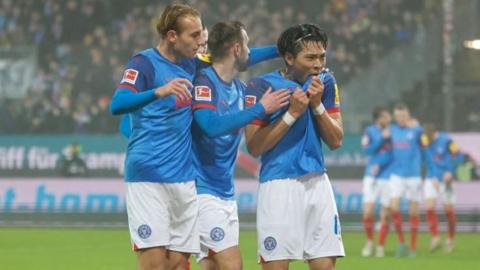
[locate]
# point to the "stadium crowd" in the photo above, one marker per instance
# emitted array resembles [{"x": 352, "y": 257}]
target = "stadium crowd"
[{"x": 79, "y": 45}]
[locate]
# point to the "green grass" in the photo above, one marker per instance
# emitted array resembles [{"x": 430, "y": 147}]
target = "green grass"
[{"x": 110, "y": 249}]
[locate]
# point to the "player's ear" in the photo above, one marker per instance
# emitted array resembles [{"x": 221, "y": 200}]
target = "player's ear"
[
  {"x": 289, "y": 58},
  {"x": 171, "y": 36},
  {"x": 237, "y": 48}
]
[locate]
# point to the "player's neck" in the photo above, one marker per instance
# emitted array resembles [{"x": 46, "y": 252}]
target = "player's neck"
[
  {"x": 226, "y": 71},
  {"x": 289, "y": 74},
  {"x": 168, "y": 52}
]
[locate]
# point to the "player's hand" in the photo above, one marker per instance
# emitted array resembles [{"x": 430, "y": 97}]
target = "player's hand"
[
  {"x": 315, "y": 92},
  {"x": 273, "y": 101},
  {"x": 298, "y": 103},
  {"x": 178, "y": 87},
  {"x": 447, "y": 177}
]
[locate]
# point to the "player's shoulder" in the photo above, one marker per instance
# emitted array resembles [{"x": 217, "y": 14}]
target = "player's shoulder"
[
  {"x": 140, "y": 60},
  {"x": 203, "y": 77},
  {"x": 394, "y": 127},
  {"x": 443, "y": 135},
  {"x": 371, "y": 128},
  {"x": 259, "y": 82}
]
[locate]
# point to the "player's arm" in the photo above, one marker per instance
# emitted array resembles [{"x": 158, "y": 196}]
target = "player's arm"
[
  {"x": 213, "y": 124},
  {"x": 256, "y": 55},
  {"x": 325, "y": 103},
  {"x": 261, "y": 139},
  {"x": 371, "y": 144}
]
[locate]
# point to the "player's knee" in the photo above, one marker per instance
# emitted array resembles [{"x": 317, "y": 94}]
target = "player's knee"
[
  {"x": 178, "y": 265},
  {"x": 152, "y": 265}
]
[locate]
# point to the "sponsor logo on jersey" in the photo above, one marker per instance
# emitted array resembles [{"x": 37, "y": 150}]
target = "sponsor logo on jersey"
[
  {"x": 130, "y": 76},
  {"x": 203, "y": 93}
]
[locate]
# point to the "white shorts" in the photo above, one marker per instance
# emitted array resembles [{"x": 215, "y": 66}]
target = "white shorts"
[
  {"x": 163, "y": 215},
  {"x": 408, "y": 187},
  {"x": 442, "y": 191},
  {"x": 297, "y": 219},
  {"x": 374, "y": 189},
  {"x": 218, "y": 224}
]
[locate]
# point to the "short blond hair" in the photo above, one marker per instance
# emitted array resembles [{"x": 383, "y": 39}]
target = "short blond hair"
[{"x": 172, "y": 15}]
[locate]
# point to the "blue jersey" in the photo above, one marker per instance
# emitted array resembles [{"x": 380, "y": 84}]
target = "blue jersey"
[
  {"x": 214, "y": 158},
  {"x": 299, "y": 152},
  {"x": 439, "y": 156},
  {"x": 160, "y": 143},
  {"x": 407, "y": 151},
  {"x": 379, "y": 150}
]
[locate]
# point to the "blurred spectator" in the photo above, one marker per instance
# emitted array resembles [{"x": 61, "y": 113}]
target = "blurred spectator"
[
  {"x": 466, "y": 169},
  {"x": 71, "y": 163}
]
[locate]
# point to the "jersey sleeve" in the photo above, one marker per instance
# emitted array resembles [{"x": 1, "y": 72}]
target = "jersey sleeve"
[
  {"x": 205, "y": 95},
  {"x": 256, "y": 87},
  {"x": 331, "y": 93},
  {"x": 138, "y": 75}
]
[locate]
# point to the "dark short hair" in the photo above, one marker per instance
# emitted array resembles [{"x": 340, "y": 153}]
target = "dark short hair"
[
  {"x": 222, "y": 36},
  {"x": 169, "y": 20},
  {"x": 377, "y": 112},
  {"x": 401, "y": 107},
  {"x": 295, "y": 38}
]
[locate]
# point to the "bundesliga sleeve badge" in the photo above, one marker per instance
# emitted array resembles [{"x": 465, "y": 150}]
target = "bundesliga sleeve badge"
[
  {"x": 250, "y": 100},
  {"x": 130, "y": 76},
  {"x": 203, "y": 93}
]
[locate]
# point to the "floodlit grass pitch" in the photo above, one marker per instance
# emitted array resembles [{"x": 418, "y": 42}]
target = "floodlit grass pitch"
[{"x": 110, "y": 249}]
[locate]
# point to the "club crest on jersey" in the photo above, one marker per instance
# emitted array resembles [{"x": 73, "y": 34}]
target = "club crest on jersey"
[
  {"x": 144, "y": 231},
  {"x": 203, "y": 93},
  {"x": 270, "y": 243},
  {"x": 130, "y": 76},
  {"x": 250, "y": 100},
  {"x": 217, "y": 234}
]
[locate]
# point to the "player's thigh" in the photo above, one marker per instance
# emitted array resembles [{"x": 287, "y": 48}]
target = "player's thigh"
[
  {"x": 280, "y": 220},
  {"x": 430, "y": 203},
  {"x": 413, "y": 208},
  {"x": 152, "y": 258},
  {"x": 218, "y": 225},
  {"x": 368, "y": 210},
  {"x": 275, "y": 265},
  {"x": 184, "y": 218},
  {"x": 327, "y": 263},
  {"x": 385, "y": 214},
  {"x": 148, "y": 215},
  {"x": 322, "y": 223},
  {"x": 208, "y": 264},
  {"x": 229, "y": 259},
  {"x": 177, "y": 260}
]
